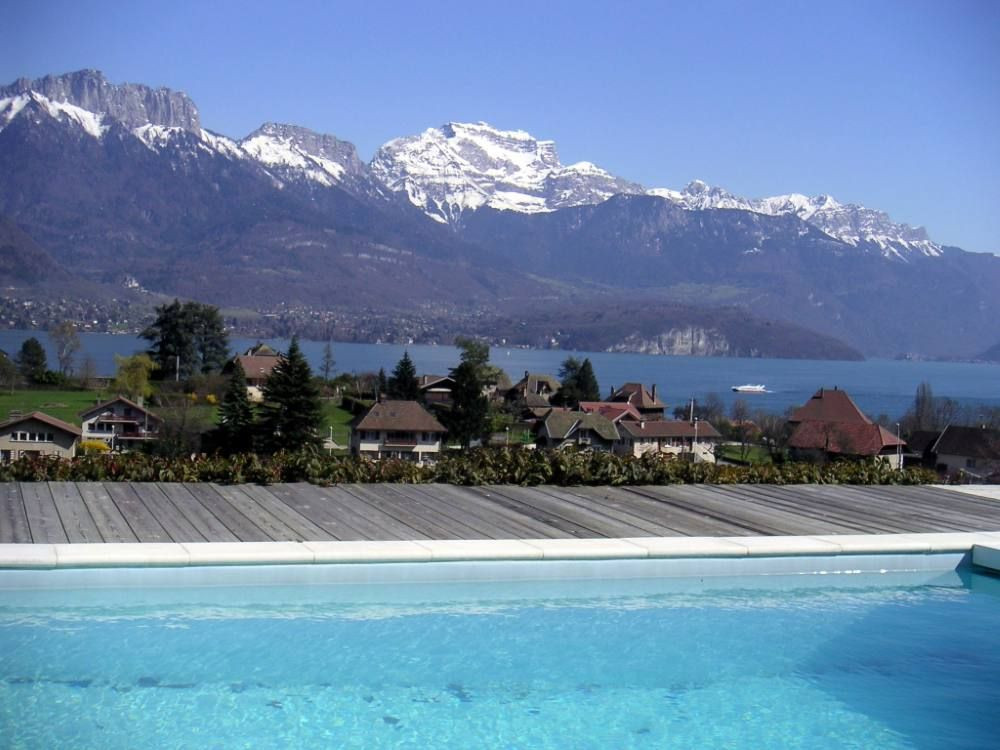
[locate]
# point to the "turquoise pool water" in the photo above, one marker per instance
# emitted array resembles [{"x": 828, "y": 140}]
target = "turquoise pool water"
[{"x": 848, "y": 661}]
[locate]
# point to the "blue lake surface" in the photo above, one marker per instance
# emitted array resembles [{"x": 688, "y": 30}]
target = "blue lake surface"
[
  {"x": 853, "y": 663},
  {"x": 878, "y": 386}
]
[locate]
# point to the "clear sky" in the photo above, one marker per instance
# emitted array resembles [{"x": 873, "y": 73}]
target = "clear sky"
[{"x": 893, "y": 104}]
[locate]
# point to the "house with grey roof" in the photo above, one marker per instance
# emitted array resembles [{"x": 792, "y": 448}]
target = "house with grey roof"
[
  {"x": 533, "y": 391},
  {"x": 562, "y": 428},
  {"x": 695, "y": 440},
  {"x": 37, "y": 434},
  {"x": 397, "y": 429}
]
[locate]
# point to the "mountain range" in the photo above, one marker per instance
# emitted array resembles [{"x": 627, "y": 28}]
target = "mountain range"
[{"x": 105, "y": 182}]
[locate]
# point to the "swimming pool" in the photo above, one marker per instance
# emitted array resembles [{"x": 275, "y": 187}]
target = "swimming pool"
[{"x": 126, "y": 659}]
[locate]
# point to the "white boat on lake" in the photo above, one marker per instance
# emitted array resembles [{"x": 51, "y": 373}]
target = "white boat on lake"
[{"x": 750, "y": 388}]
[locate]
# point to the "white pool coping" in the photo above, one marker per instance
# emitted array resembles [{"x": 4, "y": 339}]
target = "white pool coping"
[{"x": 45, "y": 556}]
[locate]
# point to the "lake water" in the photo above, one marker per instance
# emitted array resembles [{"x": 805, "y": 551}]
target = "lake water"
[{"x": 878, "y": 386}]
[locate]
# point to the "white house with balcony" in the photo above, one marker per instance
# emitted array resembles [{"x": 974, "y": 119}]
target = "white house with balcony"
[
  {"x": 695, "y": 440},
  {"x": 121, "y": 423},
  {"x": 397, "y": 429}
]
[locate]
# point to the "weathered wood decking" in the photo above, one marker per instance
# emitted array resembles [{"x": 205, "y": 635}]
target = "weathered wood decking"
[{"x": 59, "y": 512}]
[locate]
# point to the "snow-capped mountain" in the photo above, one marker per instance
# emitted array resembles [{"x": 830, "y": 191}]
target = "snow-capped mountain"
[
  {"x": 461, "y": 167},
  {"x": 856, "y": 225},
  {"x": 293, "y": 153}
]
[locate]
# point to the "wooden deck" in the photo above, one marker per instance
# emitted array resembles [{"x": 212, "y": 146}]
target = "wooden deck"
[{"x": 60, "y": 512}]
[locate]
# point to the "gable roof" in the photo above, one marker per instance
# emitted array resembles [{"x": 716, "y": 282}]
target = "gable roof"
[
  {"x": 613, "y": 411},
  {"x": 403, "y": 416},
  {"x": 46, "y": 419},
  {"x": 94, "y": 409},
  {"x": 261, "y": 349},
  {"x": 637, "y": 395},
  {"x": 258, "y": 365},
  {"x": 971, "y": 442},
  {"x": 669, "y": 428},
  {"x": 829, "y": 406},
  {"x": 425, "y": 382},
  {"x": 534, "y": 383},
  {"x": 845, "y": 438},
  {"x": 560, "y": 425}
]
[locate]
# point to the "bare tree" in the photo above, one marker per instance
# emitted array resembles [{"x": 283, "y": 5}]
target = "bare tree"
[{"x": 67, "y": 342}]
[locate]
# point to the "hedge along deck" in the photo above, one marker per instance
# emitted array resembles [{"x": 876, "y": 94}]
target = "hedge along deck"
[{"x": 61, "y": 512}]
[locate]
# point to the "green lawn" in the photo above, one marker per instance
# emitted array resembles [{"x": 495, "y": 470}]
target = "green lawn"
[
  {"x": 64, "y": 405},
  {"x": 338, "y": 419},
  {"x": 756, "y": 454}
]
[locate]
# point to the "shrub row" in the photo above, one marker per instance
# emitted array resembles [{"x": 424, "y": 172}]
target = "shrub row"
[{"x": 480, "y": 466}]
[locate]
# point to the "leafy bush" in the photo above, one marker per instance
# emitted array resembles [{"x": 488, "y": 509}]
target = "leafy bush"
[{"x": 474, "y": 467}]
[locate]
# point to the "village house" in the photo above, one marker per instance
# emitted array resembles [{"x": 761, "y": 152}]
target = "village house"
[
  {"x": 616, "y": 412},
  {"x": 257, "y": 363},
  {"x": 970, "y": 451},
  {"x": 831, "y": 426},
  {"x": 562, "y": 428},
  {"x": 122, "y": 424},
  {"x": 397, "y": 429},
  {"x": 533, "y": 391},
  {"x": 435, "y": 390},
  {"x": 695, "y": 440},
  {"x": 644, "y": 401},
  {"x": 37, "y": 434}
]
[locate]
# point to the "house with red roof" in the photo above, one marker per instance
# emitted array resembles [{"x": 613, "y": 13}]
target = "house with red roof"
[
  {"x": 644, "y": 401},
  {"x": 830, "y": 426},
  {"x": 257, "y": 363}
]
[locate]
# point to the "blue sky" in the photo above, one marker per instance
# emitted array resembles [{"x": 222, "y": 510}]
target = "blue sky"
[{"x": 895, "y": 105}]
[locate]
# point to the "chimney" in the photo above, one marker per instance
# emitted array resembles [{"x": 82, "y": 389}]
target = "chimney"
[
  {"x": 654, "y": 391},
  {"x": 612, "y": 393}
]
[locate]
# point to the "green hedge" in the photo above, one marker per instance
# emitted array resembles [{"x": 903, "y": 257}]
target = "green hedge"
[{"x": 481, "y": 466}]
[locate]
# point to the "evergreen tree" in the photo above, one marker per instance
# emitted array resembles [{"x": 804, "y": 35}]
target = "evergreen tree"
[
  {"x": 403, "y": 385},
  {"x": 586, "y": 382},
  {"x": 291, "y": 414},
  {"x": 381, "y": 384},
  {"x": 187, "y": 339},
  {"x": 577, "y": 383},
  {"x": 236, "y": 416},
  {"x": 467, "y": 419},
  {"x": 328, "y": 364},
  {"x": 31, "y": 361}
]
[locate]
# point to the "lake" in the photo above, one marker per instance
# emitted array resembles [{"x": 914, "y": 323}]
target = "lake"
[{"x": 878, "y": 386}]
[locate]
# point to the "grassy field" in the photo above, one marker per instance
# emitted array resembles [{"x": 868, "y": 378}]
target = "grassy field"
[
  {"x": 756, "y": 454},
  {"x": 338, "y": 419},
  {"x": 64, "y": 405}
]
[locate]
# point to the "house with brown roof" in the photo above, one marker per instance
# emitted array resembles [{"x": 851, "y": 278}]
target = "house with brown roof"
[
  {"x": 257, "y": 363},
  {"x": 533, "y": 391},
  {"x": 121, "y": 423},
  {"x": 37, "y": 434},
  {"x": 562, "y": 428},
  {"x": 397, "y": 429},
  {"x": 831, "y": 426},
  {"x": 695, "y": 440},
  {"x": 435, "y": 390},
  {"x": 644, "y": 401},
  {"x": 616, "y": 412}
]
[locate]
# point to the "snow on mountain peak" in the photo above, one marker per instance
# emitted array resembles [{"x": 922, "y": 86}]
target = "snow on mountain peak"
[
  {"x": 462, "y": 166},
  {"x": 91, "y": 122}
]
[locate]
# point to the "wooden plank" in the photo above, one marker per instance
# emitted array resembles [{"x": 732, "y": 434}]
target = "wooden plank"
[
  {"x": 607, "y": 505},
  {"x": 697, "y": 498},
  {"x": 170, "y": 517},
  {"x": 303, "y": 529},
  {"x": 505, "y": 496},
  {"x": 485, "y": 519},
  {"x": 76, "y": 519},
  {"x": 244, "y": 529},
  {"x": 14, "y": 527},
  {"x": 372, "y": 522},
  {"x": 939, "y": 503},
  {"x": 518, "y": 525},
  {"x": 896, "y": 517},
  {"x": 43, "y": 518},
  {"x": 140, "y": 520},
  {"x": 335, "y": 521},
  {"x": 416, "y": 514},
  {"x": 110, "y": 521},
  {"x": 835, "y": 508},
  {"x": 267, "y": 522},
  {"x": 200, "y": 517},
  {"x": 816, "y": 522},
  {"x": 593, "y": 519},
  {"x": 682, "y": 521}
]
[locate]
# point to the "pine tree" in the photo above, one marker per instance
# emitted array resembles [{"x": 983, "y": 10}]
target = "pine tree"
[
  {"x": 577, "y": 383},
  {"x": 236, "y": 415},
  {"x": 381, "y": 384},
  {"x": 31, "y": 360},
  {"x": 329, "y": 363},
  {"x": 586, "y": 382},
  {"x": 186, "y": 339},
  {"x": 467, "y": 419},
  {"x": 403, "y": 385},
  {"x": 291, "y": 414}
]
